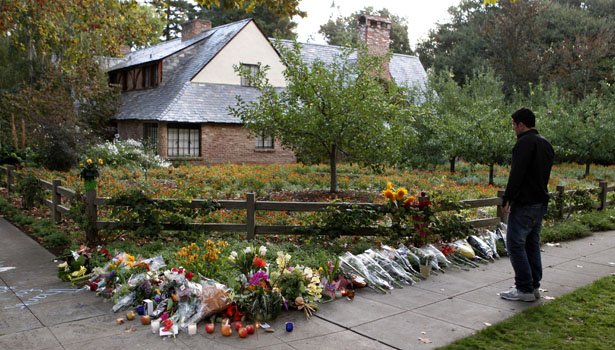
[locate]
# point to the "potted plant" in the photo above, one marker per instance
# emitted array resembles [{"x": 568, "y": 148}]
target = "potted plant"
[{"x": 89, "y": 173}]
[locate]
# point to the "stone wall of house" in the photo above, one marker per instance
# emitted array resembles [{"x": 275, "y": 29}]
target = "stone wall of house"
[{"x": 220, "y": 143}]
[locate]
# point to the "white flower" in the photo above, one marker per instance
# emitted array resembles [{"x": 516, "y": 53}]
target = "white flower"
[
  {"x": 248, "y": 250},
  {"x": 233, "y": 256},
  {"x": 262, "y": 250},
  {"x": 307, "y": 272},
  {"x": 63, "y": 265}
]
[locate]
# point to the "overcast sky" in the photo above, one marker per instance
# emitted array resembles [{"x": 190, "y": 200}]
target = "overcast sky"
[{"x": 421, "y": 15}]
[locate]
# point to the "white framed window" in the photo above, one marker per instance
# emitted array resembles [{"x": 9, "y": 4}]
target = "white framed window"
[
  {"x": 183, "y": 140},
  {"x": 264, "y": 142},
  {"x": 253, "y": 68}
]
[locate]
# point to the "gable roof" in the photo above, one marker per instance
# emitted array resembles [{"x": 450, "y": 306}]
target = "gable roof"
[
  {"x": 152, "y": 104},
  {"x": 405, "y": 70},
  {"x": 178, "y": 99}
]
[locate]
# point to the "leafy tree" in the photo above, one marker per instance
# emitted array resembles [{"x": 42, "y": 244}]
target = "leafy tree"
[
  {"x": 51, "y": 58},
  {"x": 274, "y": 26},
  {"x": 327, "y": 111},
  {"x": 279, "y": 7},
  {"x": 175, "y": 13},
  {"x": 344, "y": 30}
]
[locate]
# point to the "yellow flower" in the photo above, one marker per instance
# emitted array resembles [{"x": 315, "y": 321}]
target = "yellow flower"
[
  {"x": 388, "y": 194},
  {"x": 389, "y": 185},
  {"x": 100, "y": 161},
  {"x": 157, "y": 291},
  {"x": 401, "y": 193},
  {"x": 63, "y": 265},
  {"x": 81, "y": 272},
  {"x": 89, "y": 161}
]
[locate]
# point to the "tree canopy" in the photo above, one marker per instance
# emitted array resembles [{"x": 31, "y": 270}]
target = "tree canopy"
[{"x": 330, "y": 110}]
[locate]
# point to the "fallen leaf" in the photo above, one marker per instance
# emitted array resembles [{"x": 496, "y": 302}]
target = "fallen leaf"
[
  {"x": 543, "y": 290},
  {"x": 130, "y": 330},
  {"x": 425, "y": 340},
  {"x": 571, "y": 338},
  {"x": 579, "y": 266},
  {"x": 546, "y": 297},
  {"x": 423, "y": 333},
  {"x": 487, "y": 324}
]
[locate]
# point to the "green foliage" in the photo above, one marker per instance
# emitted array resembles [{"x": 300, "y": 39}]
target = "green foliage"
[
  {"x": 564, "y": 231},
  {"x": 30, "y": 190},
  {"x": 134, "y": 209},
  {"x": 579, "y": 320},
  {"x": 321, "y": 115}
]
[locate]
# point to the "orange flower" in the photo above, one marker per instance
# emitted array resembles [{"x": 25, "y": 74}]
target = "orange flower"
[{"x": 260, "y": 262}]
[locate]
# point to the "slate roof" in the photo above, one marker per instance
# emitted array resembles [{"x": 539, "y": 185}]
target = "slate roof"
[
  {"x": 179, "y": 100},
  {"x": 157, "y": 103}
]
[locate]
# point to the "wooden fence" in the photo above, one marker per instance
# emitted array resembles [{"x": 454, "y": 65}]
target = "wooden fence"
[{"x": 251, "y": 206}]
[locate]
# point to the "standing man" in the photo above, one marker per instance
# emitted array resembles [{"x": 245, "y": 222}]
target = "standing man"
[{"x": 525, "y": 200}]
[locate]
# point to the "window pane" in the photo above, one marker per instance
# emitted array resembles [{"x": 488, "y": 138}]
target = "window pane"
[
  {"x": 172, "y": 138},
  {"x": 194, "y": 142},
  {"x": 183, "y": 142}
]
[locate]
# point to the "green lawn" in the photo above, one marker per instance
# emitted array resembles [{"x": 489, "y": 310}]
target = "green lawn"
[{"x": 583, "y": 319}]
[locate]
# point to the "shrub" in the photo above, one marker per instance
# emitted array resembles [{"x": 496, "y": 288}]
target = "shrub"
[
  {"x": 57, "y": 238},
  {"x": 30, "y": 190},
  {"x": 130, "y": 154},
  {"x": 599, "y": 221},
  {"x": 565, "y": 231}
]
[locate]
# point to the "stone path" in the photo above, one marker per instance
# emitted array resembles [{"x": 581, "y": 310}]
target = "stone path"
[{"x": 38, "y": 311}]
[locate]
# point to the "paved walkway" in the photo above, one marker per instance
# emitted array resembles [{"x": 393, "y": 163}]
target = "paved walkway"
[{"x": 38, "y": 311}]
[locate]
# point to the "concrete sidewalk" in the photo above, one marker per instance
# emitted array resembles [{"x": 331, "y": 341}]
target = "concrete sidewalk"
[{"x": 38, "y": 311}]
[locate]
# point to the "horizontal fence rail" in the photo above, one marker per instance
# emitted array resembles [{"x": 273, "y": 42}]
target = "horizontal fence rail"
[{"x": 252, "y": 206}]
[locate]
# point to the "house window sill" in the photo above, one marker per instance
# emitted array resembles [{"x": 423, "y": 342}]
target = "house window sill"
[
  {"x": 264, "y": 150},
  {"x": 184, "y": 158}
]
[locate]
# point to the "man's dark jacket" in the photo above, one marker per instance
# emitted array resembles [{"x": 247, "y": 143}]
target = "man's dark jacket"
[{"x": 532, "y": 159}]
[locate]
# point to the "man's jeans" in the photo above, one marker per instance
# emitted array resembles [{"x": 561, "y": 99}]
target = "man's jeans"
[{"x": 523, "y": 244}]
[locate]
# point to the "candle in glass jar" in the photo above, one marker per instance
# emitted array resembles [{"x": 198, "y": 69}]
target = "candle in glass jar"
[
  {"x": 192, "y": 328},
  {"x": 155, "y": 326}
]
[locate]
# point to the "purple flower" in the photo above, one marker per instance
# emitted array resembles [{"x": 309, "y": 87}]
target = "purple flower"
[
  {"x": 157, "y": 298},
  {"x": 110, "y": 275},
  {"x": 258, "y": 277}
]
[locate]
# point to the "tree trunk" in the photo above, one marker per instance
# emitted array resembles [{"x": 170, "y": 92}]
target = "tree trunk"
[
  {"x": 452, "y": 161},
  {"x": 491, "y": 166},
  {"x": 587, "y": 169},
  {"x": 333, "y": 164}
]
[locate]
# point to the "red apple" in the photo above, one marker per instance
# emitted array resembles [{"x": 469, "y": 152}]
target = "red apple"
[
  {"x": 145, "y": 320},
  {"x": 210, "y": 327},
  {"x": 242, "y": 332},
  {"x": 250, "y": 328},
  {"x": 130, "y": 315},
  {"x": 238, "y": 325},
  {"x": 226, "y": 330}
]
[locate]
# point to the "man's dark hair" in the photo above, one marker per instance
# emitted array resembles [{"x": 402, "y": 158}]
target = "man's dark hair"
[{"x": 524, "y": 116}]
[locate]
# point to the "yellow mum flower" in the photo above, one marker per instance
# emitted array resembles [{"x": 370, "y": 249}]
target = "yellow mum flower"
[
  {"x": 388, "y": 194},
  {"x": 389, "y": 185},
  {"x": 401, "y": 193},
  {"x": 89, "y": 161},
  {"x": 100, "y": 161}
]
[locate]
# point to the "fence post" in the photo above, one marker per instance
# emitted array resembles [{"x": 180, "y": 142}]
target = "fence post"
[
  {"x": 499, "y": 211},
  {"x": 603, "y": 185},
  {"x": 9, "y": 180},
  {"x": 91, "y": 232},
  {"x": 251, "y": 212},
  {"x": 56, "y": 200},
  {"x": 560, "y": 202}
]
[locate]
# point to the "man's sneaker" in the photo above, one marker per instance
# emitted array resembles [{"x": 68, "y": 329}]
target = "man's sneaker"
[
  {"x": 515, "y": 294},
  {"x": 536, "y": 293}
]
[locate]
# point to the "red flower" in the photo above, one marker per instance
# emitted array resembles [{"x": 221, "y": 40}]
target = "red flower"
[
  {"x": 93, "y": 286},
  {"x": 260, "y": 262},
  {"x": 167, "y": 325},
  {"x": 189, "y": 276}
]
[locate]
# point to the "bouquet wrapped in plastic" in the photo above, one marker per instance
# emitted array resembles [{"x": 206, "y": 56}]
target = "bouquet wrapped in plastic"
[
  {"x": 213, "y": 298},
  {"x": 375, "y": 269},
  {"x": 481, "y": 247},
  {"x": 401, "y": 258},
  {"x": 352, "y": 265},
  {"x": 390, "y": 266}
]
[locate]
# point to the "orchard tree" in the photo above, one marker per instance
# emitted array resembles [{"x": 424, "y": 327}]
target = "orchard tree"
[{"x": 330, "y": 110}]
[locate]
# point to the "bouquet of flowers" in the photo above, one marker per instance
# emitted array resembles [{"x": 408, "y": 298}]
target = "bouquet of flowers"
[
  {"x": 76, "y": 266},
  {"x": 402, "y": 259},
  {"x": 394, "y": 270},
  {"x": 354, "y": 266}
]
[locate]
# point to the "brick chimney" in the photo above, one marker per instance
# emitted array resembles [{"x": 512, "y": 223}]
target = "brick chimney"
[
  {"x": 194, "y": 27},
  {"x": 375, "y": 31}
]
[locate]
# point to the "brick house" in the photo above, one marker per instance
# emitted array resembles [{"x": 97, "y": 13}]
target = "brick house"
[{"x": 176, "y": 94}]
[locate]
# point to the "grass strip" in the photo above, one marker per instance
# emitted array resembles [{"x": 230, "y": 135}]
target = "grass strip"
[{"x": 582, "y": 319}]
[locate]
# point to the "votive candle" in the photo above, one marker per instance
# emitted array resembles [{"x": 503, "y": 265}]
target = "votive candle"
[
  {"x": 155, "y": 326},
  {"x": 192, "y": 329}
]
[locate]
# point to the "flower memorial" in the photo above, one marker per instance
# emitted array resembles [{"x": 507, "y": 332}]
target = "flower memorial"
[{"x": 257, "y": 283}]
